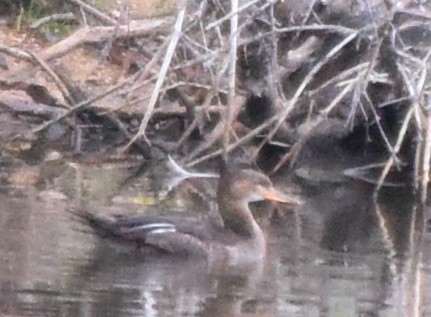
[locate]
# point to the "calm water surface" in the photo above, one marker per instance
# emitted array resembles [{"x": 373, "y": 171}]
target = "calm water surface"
[{"x": 337, "y": 255}]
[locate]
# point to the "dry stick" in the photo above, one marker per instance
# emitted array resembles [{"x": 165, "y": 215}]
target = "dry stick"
[
  {"x": 239, "y": 142},
  {"x": 358, "y": 173},
  {"x": 83, "y": 16},
  {"x": 163, "y": 90},
  {"x": 148, "y": 67},
  {"x": 310, "y": 12},
  {"x": 426, "y": 110},
  {"x": 232, "y": 75},
  {"x": 100, "y": 15},
  {"x": 409, "y": 57},
  {"x": 214, "y": 91},
  {"x": 168, "y": 88},
  {"x": 323, "y": 28},
  {"x": 230, "y": 15},
  {"x": 426, "y": 157},
  {"x": 245, "y": 23},
  {"x": 13, "y": 105},
  {"x": 195, "y": 45},
  {"x": 167, "y": 113},
  {"x": 422, "y": 157},
  {"x": 85, "y": 103},
  {"x": 85, "y": 36},
  {"x": 54, "y": 17},
  {"x": 195, "y": 122},
  {"x": 363, "y": 82},
  {"x": 397, "y": 147},
  {"x": 17, "y": 53},
  {"x": 217, "y": 132},
  {"x": 166, "y": 62},
  {"x": 414, "y": 109},
  {"x": 418, "y": 157},
  {"x": 224, "y": 48},
  {"x": 215, "y": 83},
  {"x": 107, "y": 47},
  {"x": 392, "y": 102},
  {"x": 317, "y": 27},
  {"x": 272, "y": 120},
  {"x": 35, "y": 59},
  {"x": 376, "y": 78},
  {"x": 292, "y": 102},
  {"x": 273, "y": 76},
  {"x": 97, "y": 34},
  {"x": 339, "y": 77},
  {"x": 58, "y": 82},
  {"x": 418, "y": 120},
  {"x": 382, "y": 132},
  {"x": 297, "y": 147}
]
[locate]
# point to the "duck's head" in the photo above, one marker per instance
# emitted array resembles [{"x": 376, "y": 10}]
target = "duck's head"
[{"x": 246, "y": 185}]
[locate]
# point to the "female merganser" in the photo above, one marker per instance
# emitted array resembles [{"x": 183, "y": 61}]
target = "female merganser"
[{"x": 238, "y": 238}]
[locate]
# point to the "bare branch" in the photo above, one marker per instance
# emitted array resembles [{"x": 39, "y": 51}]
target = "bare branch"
[{"x": 166, "y": 62}]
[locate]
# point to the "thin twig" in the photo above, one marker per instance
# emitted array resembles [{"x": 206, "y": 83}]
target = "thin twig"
[
  {"x": 58, "y": 82},
  {"x": 85, "y": 103},
  {"x": 230, "y": 15},
  {"x": 381, "y": 130},
  {"x": 344, "y": 74},
  {"x": 363, "y": 81},
  {"x": 97, "y": 13},
  {"x": 217, "y": 133},
  {"x": 97, "y": 34},
  {"x": 318, "y": 27},
  {"x": 51, "y": 18},
  {"x": 426, "y": 158},
  {"x": 358, "y": 173},
  {"x": 426, "y": 104},
  {"x": 36, "y": 60},
  {"x": 146, "y": 70},
  {"x": 249, "y": 136},
  {"x": 400, "y": 139},
  {"x": 17, "y": 53},
  {"x": 196, "y": 121},
  {"x": 166, "y": 62},
  {"x": 292, "y": 102},
  {"x": 232, "y": 75},
  {"x": 292, "y": 154}
]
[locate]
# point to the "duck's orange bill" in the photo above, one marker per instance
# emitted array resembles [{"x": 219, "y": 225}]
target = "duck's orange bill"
[{"x": 275, "y": 195}]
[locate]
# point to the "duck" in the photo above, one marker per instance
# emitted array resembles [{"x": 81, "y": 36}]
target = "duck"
[{"x": 237, "y": 238}]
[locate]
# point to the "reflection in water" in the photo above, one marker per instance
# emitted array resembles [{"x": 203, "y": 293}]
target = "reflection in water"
[
  {"x": 338, "y": 255},
  {"x": 402, "y": 225}
]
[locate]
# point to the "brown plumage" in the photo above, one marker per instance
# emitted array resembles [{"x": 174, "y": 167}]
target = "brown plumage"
[{"x": 237, "y": 239}]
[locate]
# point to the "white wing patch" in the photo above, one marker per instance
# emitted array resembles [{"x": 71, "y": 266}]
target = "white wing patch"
[
  {"x": 166, "y": 230},
  {"x": 155, "y": 228}
]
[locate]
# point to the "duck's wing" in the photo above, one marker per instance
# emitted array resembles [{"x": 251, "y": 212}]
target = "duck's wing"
[{"x": 170, "y": 234}]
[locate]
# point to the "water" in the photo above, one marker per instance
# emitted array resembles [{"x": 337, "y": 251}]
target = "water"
[{"x": 337, "y": 255}]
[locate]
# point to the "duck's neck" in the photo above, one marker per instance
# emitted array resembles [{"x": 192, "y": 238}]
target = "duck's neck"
[{"x": 237, "y": 218}]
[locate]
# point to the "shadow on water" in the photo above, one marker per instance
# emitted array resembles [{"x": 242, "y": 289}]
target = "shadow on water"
[{"x": 339, "y": 254}]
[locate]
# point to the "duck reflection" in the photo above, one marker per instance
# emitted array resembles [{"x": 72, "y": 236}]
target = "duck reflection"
[
  {"x": 340, "y": 254},
  {"x": 155, "y": 285}
]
